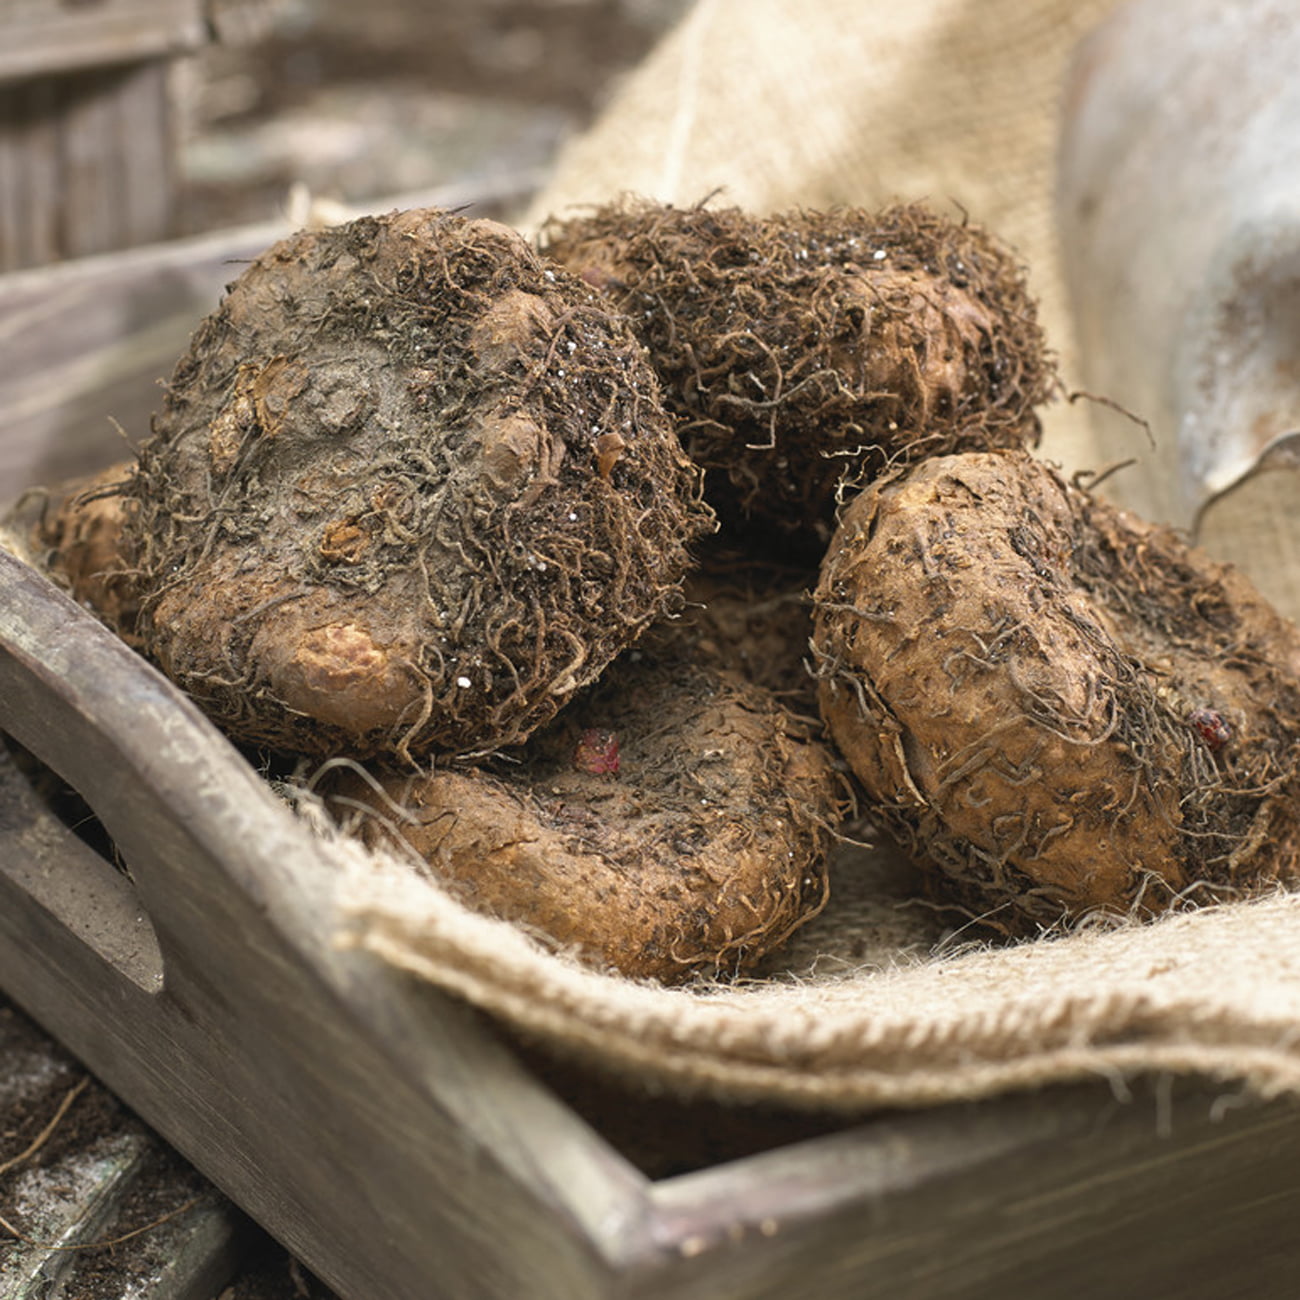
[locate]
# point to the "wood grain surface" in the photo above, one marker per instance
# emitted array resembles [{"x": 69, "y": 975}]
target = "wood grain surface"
[{"x": 44, "y": 37}]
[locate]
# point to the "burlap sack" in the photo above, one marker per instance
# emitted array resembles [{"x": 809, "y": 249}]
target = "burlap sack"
[
  {"x": 869, "y": 1008},
  {"x": 860, "y": 101}
]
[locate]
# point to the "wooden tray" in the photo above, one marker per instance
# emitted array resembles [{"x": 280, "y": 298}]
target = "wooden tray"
[{"x": 385, "y": 1133}]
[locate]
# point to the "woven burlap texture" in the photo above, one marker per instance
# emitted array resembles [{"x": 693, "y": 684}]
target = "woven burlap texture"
[
  {"x": 883, "y": 1016},
  {"x": 854, "y": 101}
]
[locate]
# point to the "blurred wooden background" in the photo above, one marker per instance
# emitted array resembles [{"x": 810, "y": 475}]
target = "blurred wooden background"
[{"x": 127, "y": 122}]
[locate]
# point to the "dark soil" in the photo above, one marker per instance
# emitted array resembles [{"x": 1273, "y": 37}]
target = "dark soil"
[
  {"x": 272, "y": 1274},
  {"x": 26, "y": 1110},
  {"x": 39, "y": 1078}
]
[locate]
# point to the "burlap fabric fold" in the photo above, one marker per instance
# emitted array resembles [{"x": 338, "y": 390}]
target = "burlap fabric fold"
[
  {"x": 854, "y": 101},
  {"x": 873, "y": 1005}
]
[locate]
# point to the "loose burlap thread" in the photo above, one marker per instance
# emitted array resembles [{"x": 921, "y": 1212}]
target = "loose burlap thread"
[{"x": 875, "y": 1003}]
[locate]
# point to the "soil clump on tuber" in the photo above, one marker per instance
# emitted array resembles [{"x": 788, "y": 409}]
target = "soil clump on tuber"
[
  {"x": 412, "y": 487},
  {"x": 805, "y": 348},
  {"x": 1059, "y": 708}
]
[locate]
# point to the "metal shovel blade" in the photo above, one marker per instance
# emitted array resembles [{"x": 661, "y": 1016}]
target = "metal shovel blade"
[{"x": 1179, "y": 212}]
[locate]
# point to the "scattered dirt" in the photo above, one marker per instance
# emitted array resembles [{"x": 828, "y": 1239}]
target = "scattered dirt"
[
  {"x": 154, "y": 1209},
  {"x": 67, "y": 1137},
  {"x": 62, "y": 1135},
  {"x": 272, "y": 1274}
]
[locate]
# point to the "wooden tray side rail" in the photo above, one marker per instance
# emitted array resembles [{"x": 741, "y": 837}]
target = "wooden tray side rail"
[{"x": 369, "y": 1125}]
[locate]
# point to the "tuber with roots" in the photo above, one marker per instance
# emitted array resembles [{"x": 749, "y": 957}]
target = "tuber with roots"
[
  {"x": 411, "y": 488},
  {"x": 78, "y": 542},
  {"x": 672, "y": 821},
  {"x": 805, "y": 348},
  {"x": 1060, "y": 710}
]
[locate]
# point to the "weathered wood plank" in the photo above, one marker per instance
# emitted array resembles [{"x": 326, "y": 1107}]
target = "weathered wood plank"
[
  {"x": 93, "y": 154},
  {"x": 242, "y": 22},
  {"x": 40, "y": 37},
  {"x": 12, "y": 215},
  {"x": 40, "y": 180},
  {"x": 1074, "y": 1192},
  {"x": 89, "y": 343},
  {"x": 86, "y": 163},
  {"x": 146, "y": 120}
]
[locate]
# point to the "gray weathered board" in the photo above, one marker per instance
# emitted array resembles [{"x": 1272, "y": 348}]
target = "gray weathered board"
[
  {"x": 86, "y": 124},
  {"x": 108, "y": 1202},
  {"x": 381, "y": 1130},
  {"x": 52, "y": 37},
  {"x": 89, "y": 120}
]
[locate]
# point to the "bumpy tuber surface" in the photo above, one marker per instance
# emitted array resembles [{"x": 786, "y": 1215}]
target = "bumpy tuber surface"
[
  {"x": 1060, "y": 709},
  {"x": 674, "y": 820},
  {"x": 411, "y": 488},
  {"x": 806, "y": 347},
  {"x": 79, "y": 541}
]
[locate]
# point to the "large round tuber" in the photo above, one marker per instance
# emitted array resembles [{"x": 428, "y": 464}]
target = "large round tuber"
[
  {"x": 411, "y": 488},
  {"x": 1060, "y": 709},
  {"x": 806, "y": 347},
  {"x": 672, "y": 821}
]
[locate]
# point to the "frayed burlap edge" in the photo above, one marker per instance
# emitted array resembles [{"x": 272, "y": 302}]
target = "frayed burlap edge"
[{"x": 1213, "y": 993}]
